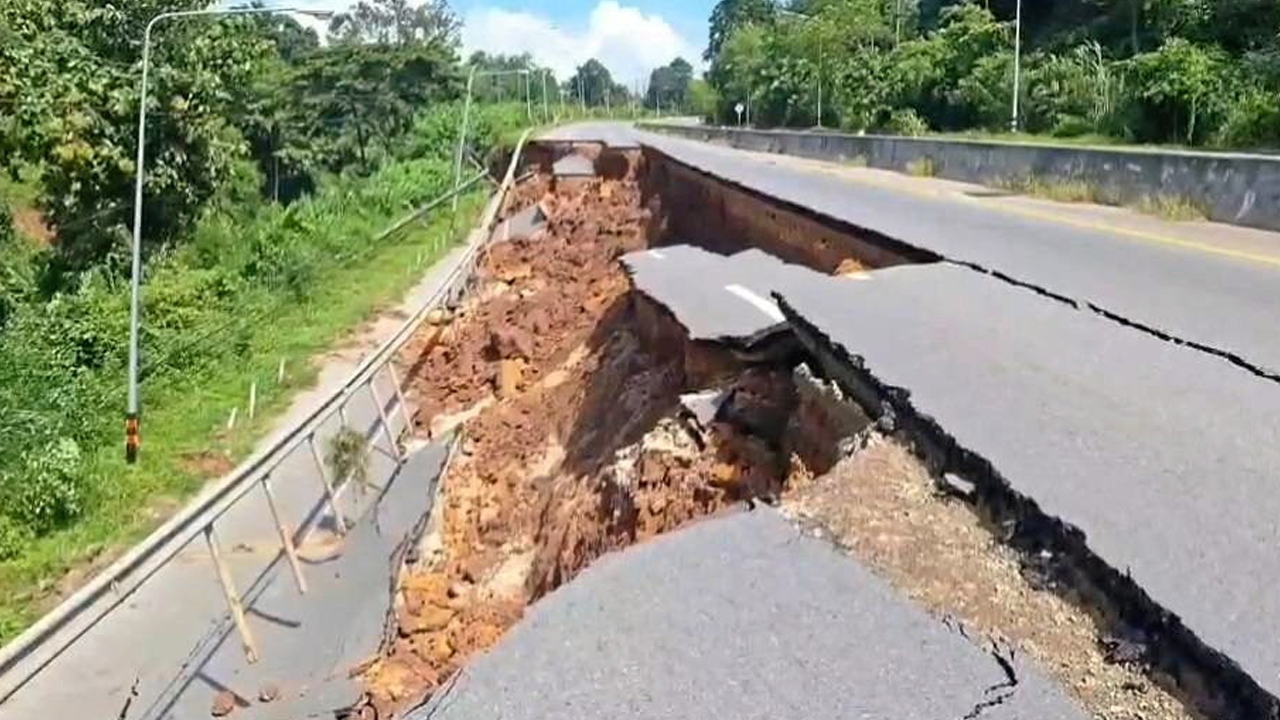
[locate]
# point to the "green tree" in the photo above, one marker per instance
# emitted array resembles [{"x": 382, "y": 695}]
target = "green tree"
[
  {"x": 1182, "y": 89},
  {"x": 396, "y": 22},
  {"x": 594, "y": 82},
  {"x": 669, "y": 86},
  {"x": 71, "y": 79},
  {"x": 729, "y": 15}
]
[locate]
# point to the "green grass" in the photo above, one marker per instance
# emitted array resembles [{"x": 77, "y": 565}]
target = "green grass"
[
  {"x": 1175, "y": 209},
  {"x": 1073, "y": 191},
  {"x": 22, "y": 192},
  {"x": 1165, "y": 207},
  {"x": 184, "y": 418},
  {"x": 1087, "y": 140}
]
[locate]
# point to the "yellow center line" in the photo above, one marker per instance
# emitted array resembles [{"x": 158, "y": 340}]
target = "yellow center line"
[{"x": 949, "y": 196}]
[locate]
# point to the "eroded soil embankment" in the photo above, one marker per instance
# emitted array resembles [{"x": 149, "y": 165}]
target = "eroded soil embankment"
[{"x": 575, "y": 440}]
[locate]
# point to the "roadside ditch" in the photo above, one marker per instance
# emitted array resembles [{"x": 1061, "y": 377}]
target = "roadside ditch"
[{"x": 589, "y": 421}]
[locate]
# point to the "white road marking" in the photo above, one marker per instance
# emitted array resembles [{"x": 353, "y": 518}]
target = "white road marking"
[{"x": 768, "y": 308}]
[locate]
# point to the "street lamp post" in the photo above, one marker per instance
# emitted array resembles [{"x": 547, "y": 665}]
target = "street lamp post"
[
  {"x": 132, "y": 423},
  {"x": 528, "y": 98},
  {"x": 546, "y": 114},
  {"x": 466, "y": 117},
  {"x": 1017, "y": 65}
]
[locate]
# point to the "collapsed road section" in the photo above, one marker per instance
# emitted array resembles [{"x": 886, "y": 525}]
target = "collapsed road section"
[{"x": 613, "y": 380}]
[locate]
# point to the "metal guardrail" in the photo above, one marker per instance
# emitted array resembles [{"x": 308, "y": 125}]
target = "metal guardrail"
[{"x": 59, "y": 629}]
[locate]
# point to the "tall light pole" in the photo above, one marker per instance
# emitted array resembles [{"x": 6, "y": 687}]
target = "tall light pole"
[
  {"x": 132, "y": 422},
  {"x": 808, "y": 18},
  {"x": 1017, "y": 65},
  {"x": 546, "y": 114},
  {"x": 528, "y": 98},
  {"x": 466, "y": 118}
]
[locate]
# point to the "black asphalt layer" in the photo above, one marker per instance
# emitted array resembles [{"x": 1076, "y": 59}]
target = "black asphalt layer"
[
  {"x": 1229, "y": 305},
  {"x": 713, "y": 296},
  {"x": 310, "y": 643},
  {"x": 1166, "y": 458},
  {"x": 738, "y": 617}
]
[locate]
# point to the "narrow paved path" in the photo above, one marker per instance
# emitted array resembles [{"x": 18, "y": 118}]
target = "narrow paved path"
[{"x": 156, "y": 643}]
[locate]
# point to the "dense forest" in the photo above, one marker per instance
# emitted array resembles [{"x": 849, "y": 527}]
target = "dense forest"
[{"x": 1186, "y": 72}]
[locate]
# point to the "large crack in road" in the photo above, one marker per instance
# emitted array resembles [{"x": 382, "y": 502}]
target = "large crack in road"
[{"x": 591, "y": 421}]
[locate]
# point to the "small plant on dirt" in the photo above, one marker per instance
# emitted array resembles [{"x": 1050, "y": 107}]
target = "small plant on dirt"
[
  {"x": 922, "y": 168},
  {"x": 347, "y": 458}
]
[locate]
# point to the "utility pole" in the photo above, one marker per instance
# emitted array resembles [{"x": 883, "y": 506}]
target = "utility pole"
[{"x": 1017, "y": 65}]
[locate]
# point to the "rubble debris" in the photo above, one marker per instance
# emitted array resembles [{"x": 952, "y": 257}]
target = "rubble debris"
[
  {"x": 223, "y": 704},
  {"x": 586, "y": 450}
]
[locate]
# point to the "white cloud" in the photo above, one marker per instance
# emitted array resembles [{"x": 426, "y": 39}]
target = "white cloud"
[{"x": 628, "y": 42}]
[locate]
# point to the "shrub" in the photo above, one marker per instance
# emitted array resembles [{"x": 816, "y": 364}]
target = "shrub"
[
  {"x": 14, "y": 537},
  {"x": 48, "y": 489},
  {"x": 1182, "y": 91},
  {"x": 1252, "y": 120},
  {"x": 905, "y": 121}
]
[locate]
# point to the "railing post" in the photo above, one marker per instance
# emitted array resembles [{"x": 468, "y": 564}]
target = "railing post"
[
  {"x": 286, "y": 539},
  {"x": 233, "y": 597},
  {"x": 339, "y": 521},
  {"x": 404, "y": 406},
  {"x": 382, "y": 418}
]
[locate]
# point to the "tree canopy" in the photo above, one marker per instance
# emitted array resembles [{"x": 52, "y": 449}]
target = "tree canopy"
[
  {"x": 396, "y": 22},
  {"x": 1196, "y": 72},
  {"x": 669, "y": 86},
  {"x": 593, "y": 85}
]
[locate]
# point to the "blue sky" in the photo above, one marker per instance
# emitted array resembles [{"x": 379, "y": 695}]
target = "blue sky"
[{"x": 630, "y": 37}]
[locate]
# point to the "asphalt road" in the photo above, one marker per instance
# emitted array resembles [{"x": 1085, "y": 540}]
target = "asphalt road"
[
  {"x": 1166, "y": 458},
  {"x": 613, "y": 134},
  {"x": 712, "y": 296},
  {"x": 737, "y": 617},
  {"x": 1226, "y": 303}
]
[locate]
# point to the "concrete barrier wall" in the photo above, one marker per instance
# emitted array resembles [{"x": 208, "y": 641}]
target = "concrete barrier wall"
[{"x": 1235, "y": 188}]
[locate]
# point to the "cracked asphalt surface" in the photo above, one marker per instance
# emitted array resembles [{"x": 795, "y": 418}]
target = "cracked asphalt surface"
[
  {"x": 1224, "y": 303},
  {"x": 1163, "y": 456},
  {"x": 715, "y": 297},
  {"x": 739, "y": 617}
]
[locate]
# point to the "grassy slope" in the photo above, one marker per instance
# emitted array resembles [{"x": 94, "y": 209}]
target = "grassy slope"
[{"x": 186, "y": 422}]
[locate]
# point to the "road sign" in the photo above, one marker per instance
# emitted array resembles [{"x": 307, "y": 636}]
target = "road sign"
[{"x": 738, "y": 109}]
